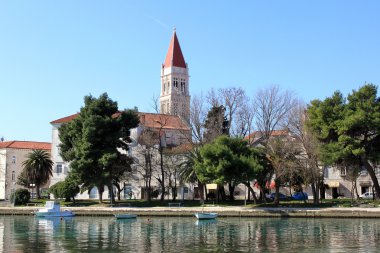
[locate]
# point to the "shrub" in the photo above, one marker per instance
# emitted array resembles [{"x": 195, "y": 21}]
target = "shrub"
[
  {"x": 22, "y": 196},
  {"x": 65, "y": 190},
  {"x": 155, "y": 194}
]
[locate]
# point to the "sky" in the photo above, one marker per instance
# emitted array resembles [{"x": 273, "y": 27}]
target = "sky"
[{"x": 53, "y": 53}]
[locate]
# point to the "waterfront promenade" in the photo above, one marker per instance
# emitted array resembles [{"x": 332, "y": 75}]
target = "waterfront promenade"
[{"x": 234, "y": 211}]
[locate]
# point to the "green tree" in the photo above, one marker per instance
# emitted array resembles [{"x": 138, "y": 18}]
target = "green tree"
[
  {"x": 187, "y": 171},
  {"x": 90, "y": 142},
  {"x": 349, "y": 129},
  {"x": 66, "y": 189},
  {"x": 216, "y": 123},
  {"x": 37, "y": 168},
  {"x": 227, "y": 160}
]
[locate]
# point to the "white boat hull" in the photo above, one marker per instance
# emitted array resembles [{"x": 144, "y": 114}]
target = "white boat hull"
[
  {"x": 55, "y": 214},
  {"x": 53, "y": 209},
  {"x": 206, "y": 216}
]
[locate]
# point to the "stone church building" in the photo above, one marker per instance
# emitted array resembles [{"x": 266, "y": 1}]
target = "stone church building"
[{"x": 172, "y": 124}]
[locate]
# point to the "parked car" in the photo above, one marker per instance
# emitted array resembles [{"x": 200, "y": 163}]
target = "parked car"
[
  {"x": 367, "y": 195},
  {"x": 281, "y": 196},
  {"x": 300, "y": 196}
]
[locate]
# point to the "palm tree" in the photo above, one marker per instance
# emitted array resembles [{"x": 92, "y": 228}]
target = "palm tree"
[
  {"x": 38, "y": 168},
  {"x": 187, "y": 172}
]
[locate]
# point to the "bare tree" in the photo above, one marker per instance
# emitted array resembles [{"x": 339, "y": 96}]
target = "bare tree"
[
  {"x": 162, "y": 122},
  {"x": 309, "y": 159},
  {"x": 145, "y": 160},
  {"x": 233, "y": 99},
  {"x": 156, "y": 103},
  {"x": 271, "y": 107},
  {"x": 173, "y": 160},
  {"x": 198, "y": 118},
  {"x": 243, "y": 120},
  {"x": 213, "y": 98}
]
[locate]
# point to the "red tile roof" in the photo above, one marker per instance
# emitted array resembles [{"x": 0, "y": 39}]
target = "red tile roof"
[
  {"x": 153, "y": 120},
  {"x": 174, "y": 56},
  {"x": 26, "y": 145},
  {"x": 257, "y": 134}
]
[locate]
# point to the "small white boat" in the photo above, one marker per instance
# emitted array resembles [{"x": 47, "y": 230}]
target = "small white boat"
[
  {"x": 53, "y": 209},
  {"x": 206, "y": 216},
  {"x": 125, "y": 216}
]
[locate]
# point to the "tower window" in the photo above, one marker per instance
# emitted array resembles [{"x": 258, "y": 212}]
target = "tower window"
[
  {"x": 183, "y": 85},
  {"x": 168, "y": 90},
  {"x": 13, "y": 175},
  {"x": 175, "y": 82},
  {"x": 14, "y": 159}
]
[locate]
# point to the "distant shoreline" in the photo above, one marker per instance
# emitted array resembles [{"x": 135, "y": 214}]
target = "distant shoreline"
[{"x": 340, "y": 212}]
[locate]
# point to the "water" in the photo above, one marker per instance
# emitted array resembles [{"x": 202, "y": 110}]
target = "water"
[{"x": 173, "y": 234}]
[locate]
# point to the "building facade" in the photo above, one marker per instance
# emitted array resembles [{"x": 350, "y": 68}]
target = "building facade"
[
  {"x": 12, "y": 156},
  {"x": 169, "y": 129}
]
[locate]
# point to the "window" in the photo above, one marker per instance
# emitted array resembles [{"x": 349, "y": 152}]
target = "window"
[
  {"x": 128, "y": 193},
  {"x": 93, "y": 193},
  {"x": 183, "y": 85},
  {"x": 175, "y": 82},
  {"x": 13, "y": 175},
  {"x": 343, "y": 171},
  {"x": 59, "y": 168},
  {"x": 14, "y": 159}
]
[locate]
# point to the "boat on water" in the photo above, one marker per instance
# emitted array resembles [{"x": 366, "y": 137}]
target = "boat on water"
[
  {"x": 53, "y": 209},
  {"x": 125, "y": 216},
  {"x": 206, "y": 216}
]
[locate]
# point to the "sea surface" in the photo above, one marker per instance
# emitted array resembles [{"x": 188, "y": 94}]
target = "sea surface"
[{"x": 178, "y": 234}]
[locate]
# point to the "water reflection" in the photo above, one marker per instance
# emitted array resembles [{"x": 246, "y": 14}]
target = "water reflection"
[{"x": 102, "y": 234}]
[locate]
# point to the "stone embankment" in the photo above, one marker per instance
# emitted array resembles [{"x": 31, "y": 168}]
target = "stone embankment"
[{"x": 354, "y": 212}]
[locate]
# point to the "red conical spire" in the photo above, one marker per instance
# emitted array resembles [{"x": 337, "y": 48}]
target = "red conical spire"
[{"x": 174, "y": 57}]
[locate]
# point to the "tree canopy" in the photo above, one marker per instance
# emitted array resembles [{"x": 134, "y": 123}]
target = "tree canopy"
[
  {"x": 349, "y": 129},
  {"x": 227, "y": 160},
  {"x": 90, "y": 142},
  {"x": 37, "y": 169}
]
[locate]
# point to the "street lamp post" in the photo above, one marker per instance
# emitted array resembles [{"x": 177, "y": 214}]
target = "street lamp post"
[{"x": 32, "y": 186}]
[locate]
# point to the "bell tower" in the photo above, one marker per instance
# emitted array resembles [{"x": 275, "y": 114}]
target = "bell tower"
[{"x": 175, "y": 98}]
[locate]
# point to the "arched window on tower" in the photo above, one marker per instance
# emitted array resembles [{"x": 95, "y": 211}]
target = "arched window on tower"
[
  {"x": 175, "y": 83},
  {"x": 183, "y": 85}
]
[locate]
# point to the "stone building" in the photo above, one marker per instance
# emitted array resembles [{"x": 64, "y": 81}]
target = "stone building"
[
  {"x": 12, "y": 155},
  {"x": 171, "y": 129}
]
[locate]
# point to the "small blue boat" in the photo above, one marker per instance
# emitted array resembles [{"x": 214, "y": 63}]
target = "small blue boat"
[
  {"x": 125, "y": 216},
  {"x": 206, "y": 216}
]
